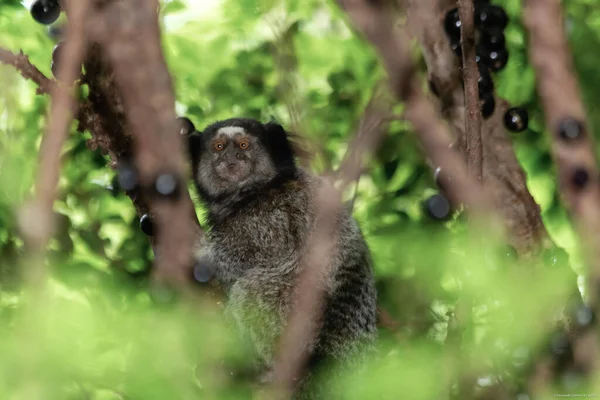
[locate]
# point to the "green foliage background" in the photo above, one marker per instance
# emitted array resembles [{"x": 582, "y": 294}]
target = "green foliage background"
[{"x": 96, "y": 334}]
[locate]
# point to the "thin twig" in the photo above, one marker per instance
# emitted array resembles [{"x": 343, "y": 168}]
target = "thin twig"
[
  {"x": 355, "y": 194},
  {"x": 37, "y": 222},
  {"x": 36, "y": 218},
  {"x": 474, "y": 153},
  {"x": 286, "y": 66},
  {"x": 28, "y": 70},
  {"x": 303, "y": 319},
  {"x": 470, "y": 78}
]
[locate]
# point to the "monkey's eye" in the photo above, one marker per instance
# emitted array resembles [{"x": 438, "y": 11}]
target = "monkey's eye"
[
  {"x": 244, "y": 144},
  {"x": 218, "y": 145}
]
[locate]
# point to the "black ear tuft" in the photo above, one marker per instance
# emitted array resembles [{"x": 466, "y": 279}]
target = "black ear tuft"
[
  {"x": 280, "y": 147},
  {"x": 194, "y": 147},
  {"x": 274, "y": 128}
]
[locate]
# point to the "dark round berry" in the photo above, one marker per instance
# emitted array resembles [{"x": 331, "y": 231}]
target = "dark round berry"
[
  {"x": 167, "y": 185},
  {"x": 488, "y": 104},
  {"x": 146, "y": 225},
  {"x": 186, "y": 127},
  {"x": 509, "y": 253},
  {"x": 555, "y": 257},
  {"x": 452, "y": 24},
  {"x": 127, "y": 176},
  {"x": 584, "y": 316},
  {"x": 203, "y": 271},
  {"x": 162, "y": 294},
  {"x": 580, "y": 177},
  {"x": 570, "y": 129},
  {"x": 560, "y": 345},
  {"x": 56, "y": 56},
  {"x": 493, "y": 40},
  {"x": 501, "y": 256},
  {"x": 456, "y": 48},
  {"x": 115, "y": 188},
  {"x": 486, "y": 83},
  {"x": 496, "y": 60},
  {"x": 56, "y": 59},
  {"x": 54, "y": 69},
  {"x": 561, "y": 349},
  {"x": 56, "y": 32},
  {"x": 516, "y": 119},
  {"x": 490, "y": 18},
  {"x": 438, "y": 207},
  {"x": 45, "y": 11},
  {"x": 442, "y": 180},
  {"x": 389, "y": 168}
]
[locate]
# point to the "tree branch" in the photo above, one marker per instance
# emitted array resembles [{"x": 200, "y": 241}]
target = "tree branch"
[
  {"x": 471, "y": 78},
  {"x": 129, "y": 33},
  {"x": 501, "y": 171},
  {"x": 376, "y": 22},
  {"x": 572, "y": 146},
  {"x": 304, "y": 318},
  {"x": 28, "y": 70},
  {"x": 37, "y": 221}
]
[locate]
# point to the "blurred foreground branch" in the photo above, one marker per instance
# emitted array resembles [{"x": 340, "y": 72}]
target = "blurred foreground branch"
[
  {"x": 36, "y": 218},
  {"x": 572, "y": 148},
  {"x": 129, "y": 33},
  {"x": 305, "y": 317}
]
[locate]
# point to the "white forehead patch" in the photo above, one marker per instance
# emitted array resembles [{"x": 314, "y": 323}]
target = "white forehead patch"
[{"x": 231, "y": 131}]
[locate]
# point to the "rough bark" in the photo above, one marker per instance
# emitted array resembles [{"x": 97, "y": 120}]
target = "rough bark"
[
  {"x": 519, "y": 211},
  {"x": 474, "y": 148}
]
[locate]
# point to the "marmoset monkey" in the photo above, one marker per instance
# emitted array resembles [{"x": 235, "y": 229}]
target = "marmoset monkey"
[{"x": 261, "y": 210}]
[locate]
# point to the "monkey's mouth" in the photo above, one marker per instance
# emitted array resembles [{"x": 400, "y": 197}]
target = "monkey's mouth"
[{"x": 231, "y": 171}]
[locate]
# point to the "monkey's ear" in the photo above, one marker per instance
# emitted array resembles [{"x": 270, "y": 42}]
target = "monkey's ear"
[
  {"x": 279, "y": 144},
  {"x": 194, "y": 147},
  {"x": 274, "y": 129}
]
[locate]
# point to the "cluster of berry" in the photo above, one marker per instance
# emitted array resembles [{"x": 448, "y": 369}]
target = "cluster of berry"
[
  {"x": 490, "y": 22},
  {"x": 491, "y": 56},
  {"x": 47, "y": 12}
]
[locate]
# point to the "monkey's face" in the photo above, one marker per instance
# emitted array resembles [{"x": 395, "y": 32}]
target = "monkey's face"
[
  {"x": 239, "y": 155},
  {"x": 233, "y": 158}
]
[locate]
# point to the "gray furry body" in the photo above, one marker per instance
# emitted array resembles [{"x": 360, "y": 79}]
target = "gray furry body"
[{"x": 261, "y": 211}]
